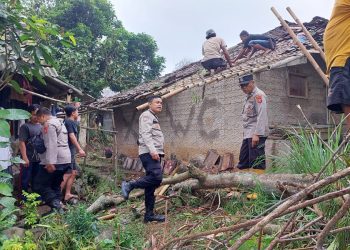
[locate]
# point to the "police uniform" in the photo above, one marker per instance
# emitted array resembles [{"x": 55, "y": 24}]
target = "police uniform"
[
  {"x": 151, "y": 140},
  {"x": 57, "y": 153},
  {"x": 255, "y": 122}
]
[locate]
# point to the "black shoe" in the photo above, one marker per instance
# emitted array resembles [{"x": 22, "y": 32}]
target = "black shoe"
[
  {"x": 154, "y": 217},
  {"x": 126, "y": 189},
  {"x": 55, "y": 204}
]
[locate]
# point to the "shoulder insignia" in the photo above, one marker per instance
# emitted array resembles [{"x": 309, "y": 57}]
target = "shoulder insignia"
[
  {"x": 145, "y": 118},
  {"x": 258, "y": 98},
  {"x": 45, "y": 128}
]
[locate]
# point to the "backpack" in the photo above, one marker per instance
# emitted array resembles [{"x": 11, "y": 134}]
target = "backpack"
[{"x": 37, "y": 143}]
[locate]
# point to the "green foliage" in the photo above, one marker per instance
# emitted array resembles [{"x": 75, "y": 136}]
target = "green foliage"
[
  {"x": 7, "y": 214},
  {"x": 56, "y": 235},
  {"x": 30, "y": 208},
  {"x": 252, "y": 243},
  {"x": 66, "y": 232},
  {"x": 250, "y": 207},
  {"x": 7, "y": 202},
  {"x": 129, "y": 236},
  {"x": 15, "y": 243},
  {"x": 106, "y": 55},
  {"x": 25, "y": 43},
  {"x": 308, "y": 154},
  {"x": 25, "y": 49},
  {"x": 81, "y": 224}
]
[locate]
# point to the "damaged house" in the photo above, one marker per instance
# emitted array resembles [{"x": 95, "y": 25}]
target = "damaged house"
[{"x": 202, "y": 113}]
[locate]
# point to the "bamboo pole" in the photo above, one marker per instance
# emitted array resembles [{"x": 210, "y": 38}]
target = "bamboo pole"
[
  {"x": 301, "y": 46},
  {"x": 307, "y": 33},
  {"x": 114, "y": 159},
  {"x": 188, "y": 86},
  {"x": 87, "y": 138},
  {"x": 39, "y": 95},
  {"x": 98, "y": 109},
  {"x": 166, "y": 93},
  {"x": 98, "y": 129}
]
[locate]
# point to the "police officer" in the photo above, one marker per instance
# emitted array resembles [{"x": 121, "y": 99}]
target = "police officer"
[
  {"x": 54, "y": 162},
  {"x": 255, "y": 125},
  {"x": 151, "y": 150}
]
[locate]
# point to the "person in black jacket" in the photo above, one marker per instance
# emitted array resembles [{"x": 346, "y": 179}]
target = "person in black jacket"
[{"x": 253, "y": 43}]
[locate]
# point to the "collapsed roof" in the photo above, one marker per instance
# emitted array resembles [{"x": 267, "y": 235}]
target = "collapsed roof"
[{"x": 285, "y": 54}]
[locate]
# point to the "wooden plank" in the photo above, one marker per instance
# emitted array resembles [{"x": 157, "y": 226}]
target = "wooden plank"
[{"x": 226, "y": 162}]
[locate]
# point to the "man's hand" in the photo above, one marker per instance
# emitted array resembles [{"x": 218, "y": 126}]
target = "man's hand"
[
  {"x": 50, "y": 168},
  {"x": 81, "y": 153},
  {"x": 155, "y": 156},
  {"x": 255, "y": 140},
  {"x": 26, "y": 160}
]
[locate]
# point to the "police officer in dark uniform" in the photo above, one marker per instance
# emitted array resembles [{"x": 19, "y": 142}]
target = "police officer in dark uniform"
[
  {"x": 255, "y": 125},
  {"x": 151, "y": 150}
]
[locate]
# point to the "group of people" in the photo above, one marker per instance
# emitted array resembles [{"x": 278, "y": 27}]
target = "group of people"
[
  {"x": 48, "y": 146},
  {"x": 214, "y": 47},
  {"x": 55, "y": 169},
  {"x": 151, "y": 143},
  {"x": 254, "y": 114}
]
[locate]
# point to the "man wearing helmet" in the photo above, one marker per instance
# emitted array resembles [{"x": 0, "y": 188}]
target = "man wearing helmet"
[{"x": 211, "y": 51}]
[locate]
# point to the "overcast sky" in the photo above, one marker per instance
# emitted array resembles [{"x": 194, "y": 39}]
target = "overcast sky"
[{"x": 179, "y": 26}]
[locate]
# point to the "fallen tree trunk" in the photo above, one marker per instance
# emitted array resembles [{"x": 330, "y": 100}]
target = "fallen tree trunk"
[
  {"x": 195, "y": 179},
  {"x": 270, "y": 183},
  {"x": 110, "y": 200}
]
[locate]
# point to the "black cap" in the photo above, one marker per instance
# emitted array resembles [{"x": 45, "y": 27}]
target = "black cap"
[{"x": 245, "y": 79}]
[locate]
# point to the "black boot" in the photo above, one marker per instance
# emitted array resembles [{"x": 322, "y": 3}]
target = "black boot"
[
  {"x": 56, "y": 206},
  {"x": 153, "y": 217},
  {"x": 126, "y": 189}
]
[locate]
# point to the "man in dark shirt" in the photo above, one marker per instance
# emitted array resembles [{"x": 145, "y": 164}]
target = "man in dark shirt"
[
  {"x": 31, "y": 158},
  {"x": 253, "y": 43},
  {"x": 72, "y": 128}
]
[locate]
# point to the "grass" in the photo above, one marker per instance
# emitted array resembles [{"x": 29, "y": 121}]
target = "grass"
[
  {"x": 130, "y": 235},
  {"x": 248, "y": 208},
  {"x": 307, "y": 155}
]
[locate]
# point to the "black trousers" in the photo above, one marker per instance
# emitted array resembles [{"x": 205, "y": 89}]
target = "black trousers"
[
  {"x": 214, "y": 63},
  {"x": 250, "y": 157},
  {"x": 48, "y": 185},
  {"x": 28, "y": 174},
  {"x": 339, "y": 90},
  {"x": 150, "y": 181}
]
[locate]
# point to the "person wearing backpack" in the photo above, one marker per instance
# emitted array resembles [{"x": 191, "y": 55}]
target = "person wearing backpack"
[
  {"x": 30, "y": 156},
  {"x": 54, "y": 162}
]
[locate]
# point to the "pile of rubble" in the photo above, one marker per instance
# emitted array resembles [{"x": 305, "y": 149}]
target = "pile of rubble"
[{"x": 213, "y": 163}]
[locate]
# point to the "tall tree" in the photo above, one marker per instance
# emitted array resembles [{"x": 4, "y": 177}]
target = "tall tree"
[
  {"x": 24, "y": 48},
  {"x": 106, "y": 55}
]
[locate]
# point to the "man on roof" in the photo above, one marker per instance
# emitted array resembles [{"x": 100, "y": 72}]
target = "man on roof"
[
  {"x": 253, "y": 43},
  {"x": 211, "y": 50}
]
